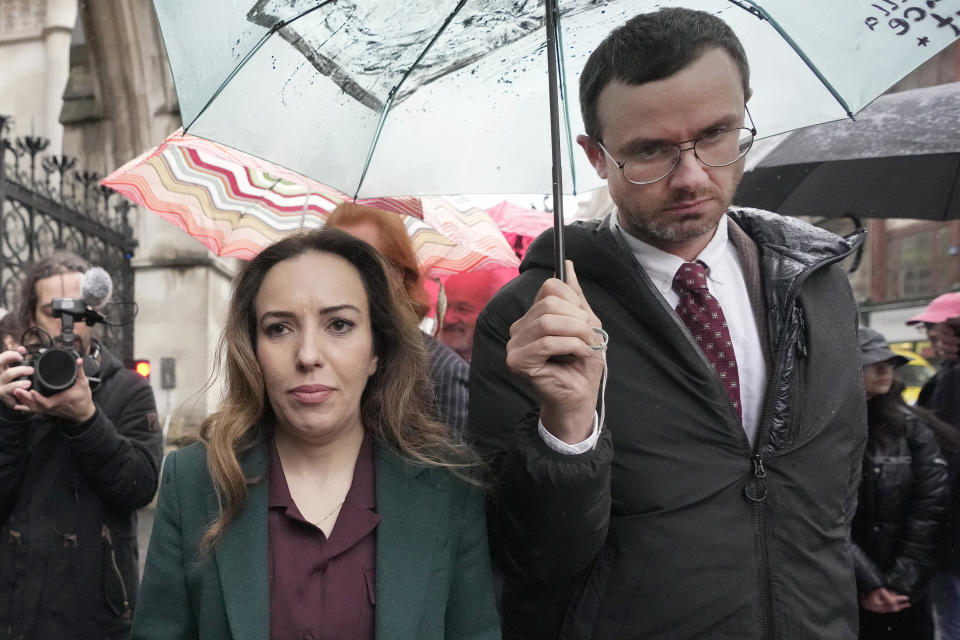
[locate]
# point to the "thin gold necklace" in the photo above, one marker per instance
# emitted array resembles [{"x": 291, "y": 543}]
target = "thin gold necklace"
[{"x": 323, "y": 519}]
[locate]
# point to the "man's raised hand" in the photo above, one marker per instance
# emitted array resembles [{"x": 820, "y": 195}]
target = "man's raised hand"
[{"x": 560, "y": 322}]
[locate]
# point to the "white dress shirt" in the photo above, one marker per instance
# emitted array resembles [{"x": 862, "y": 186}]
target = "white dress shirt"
[{"x": 726, "y": 282}]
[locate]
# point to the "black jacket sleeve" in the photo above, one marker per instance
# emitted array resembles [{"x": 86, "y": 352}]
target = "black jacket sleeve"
[
  {"x": 869, "y": 577},
  {"x": 549, "y": 512},
  {"x": 120, "y": 458},
  {"x": 14, "y": 443},
  {"x": 917, "y": 546}
]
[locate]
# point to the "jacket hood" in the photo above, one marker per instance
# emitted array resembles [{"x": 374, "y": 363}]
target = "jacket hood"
[{"x": 794, "y": 239}]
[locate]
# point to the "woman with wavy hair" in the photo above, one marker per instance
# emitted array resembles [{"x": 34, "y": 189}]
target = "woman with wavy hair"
[{"x": 322, "y": 500}]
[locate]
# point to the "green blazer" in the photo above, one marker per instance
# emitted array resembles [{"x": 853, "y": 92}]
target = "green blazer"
[{"x": 433, "y": 566}]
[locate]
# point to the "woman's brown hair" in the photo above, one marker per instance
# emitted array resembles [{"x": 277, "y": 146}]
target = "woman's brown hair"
[
  {"x": 395, "y": 245},
  {"x": 887, "y": 417},
  {"x": 395, "y": 403}
]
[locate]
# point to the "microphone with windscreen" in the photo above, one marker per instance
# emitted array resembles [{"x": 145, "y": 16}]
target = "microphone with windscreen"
[{"x": 96, "y": 287}]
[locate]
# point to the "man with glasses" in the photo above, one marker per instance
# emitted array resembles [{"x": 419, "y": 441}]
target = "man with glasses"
[{"x": 694, "y": 476}]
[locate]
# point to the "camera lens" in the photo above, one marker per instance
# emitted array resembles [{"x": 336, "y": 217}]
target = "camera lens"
[{"x": 54, "y": 371}]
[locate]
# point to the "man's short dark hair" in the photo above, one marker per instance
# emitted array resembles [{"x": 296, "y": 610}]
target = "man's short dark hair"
[
  {"x": 653, "y": 46},
  {"x": 55, "y": 264}
]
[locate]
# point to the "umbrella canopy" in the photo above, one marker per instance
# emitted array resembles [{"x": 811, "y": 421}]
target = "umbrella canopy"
[
  {"x": 899, "y": 159},
  {"x": 236, "y": 204},
  {"x": 378, "y": 97}
]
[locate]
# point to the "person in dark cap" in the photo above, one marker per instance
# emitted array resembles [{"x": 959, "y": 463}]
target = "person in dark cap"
[{"x": 903, "y": 506}]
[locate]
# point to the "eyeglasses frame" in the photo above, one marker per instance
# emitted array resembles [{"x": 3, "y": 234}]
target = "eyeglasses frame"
[{"x": 693, "y": 147}]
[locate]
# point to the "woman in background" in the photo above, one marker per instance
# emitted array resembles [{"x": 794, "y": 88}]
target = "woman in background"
[
  {"x": 322, "y": 500},
  {"x": 903, "y": 506}
]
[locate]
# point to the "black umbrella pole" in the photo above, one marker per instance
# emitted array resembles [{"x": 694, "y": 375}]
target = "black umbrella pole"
[{"x": 553, "y": 74}]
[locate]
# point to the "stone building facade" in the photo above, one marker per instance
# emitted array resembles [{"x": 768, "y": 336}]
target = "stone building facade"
[{"x": 92, "y": 77}]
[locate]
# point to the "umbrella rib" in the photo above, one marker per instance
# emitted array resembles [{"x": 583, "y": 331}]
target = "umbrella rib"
[
  {"x": 951, "y": 198},
  {"x": 762, "y": 14},
  {"x": 280, "y": 24},
  {"x": 566, "y": 104},
  {"x": 393, "y": 92}
]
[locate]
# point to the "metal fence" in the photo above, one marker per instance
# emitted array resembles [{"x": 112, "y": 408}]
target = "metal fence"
[{"x": 47, "y": 204}]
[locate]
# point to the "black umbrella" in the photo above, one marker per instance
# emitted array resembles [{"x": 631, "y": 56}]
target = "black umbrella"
[{"x": 899, "y": 159}]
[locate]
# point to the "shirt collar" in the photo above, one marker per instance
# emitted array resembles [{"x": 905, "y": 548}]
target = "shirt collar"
[{"x": 662, "y": 266}]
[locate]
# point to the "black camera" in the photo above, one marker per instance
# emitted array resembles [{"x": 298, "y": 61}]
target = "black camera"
[{"x": 54, "y": 366}]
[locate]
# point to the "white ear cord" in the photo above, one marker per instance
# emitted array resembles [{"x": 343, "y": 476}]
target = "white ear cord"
[{"x": 602, "y": 348}]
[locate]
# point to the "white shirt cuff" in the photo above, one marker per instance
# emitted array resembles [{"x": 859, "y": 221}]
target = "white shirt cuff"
[{"x": 560, "y": 446}]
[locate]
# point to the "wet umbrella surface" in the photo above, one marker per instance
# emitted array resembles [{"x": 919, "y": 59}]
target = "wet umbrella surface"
[{"x": 899, "y": 159}]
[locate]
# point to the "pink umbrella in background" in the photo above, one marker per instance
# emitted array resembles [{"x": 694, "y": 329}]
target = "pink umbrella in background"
[
  {"x": 236, "y": 204},
  {"x": 520, "y": 225}
]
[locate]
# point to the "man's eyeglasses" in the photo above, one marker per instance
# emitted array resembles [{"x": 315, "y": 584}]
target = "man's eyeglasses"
[{"x": 654, "y": 162}]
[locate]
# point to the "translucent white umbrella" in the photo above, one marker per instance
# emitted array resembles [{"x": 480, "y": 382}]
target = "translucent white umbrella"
[{"x": 420, "y": 97}]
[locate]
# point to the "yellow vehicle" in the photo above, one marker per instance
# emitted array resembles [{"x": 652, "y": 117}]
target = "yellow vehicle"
[{"x": 913, "y": 375}]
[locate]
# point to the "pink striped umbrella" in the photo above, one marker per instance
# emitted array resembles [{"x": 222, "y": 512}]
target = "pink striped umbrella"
[{"x": 236, "y": 204}]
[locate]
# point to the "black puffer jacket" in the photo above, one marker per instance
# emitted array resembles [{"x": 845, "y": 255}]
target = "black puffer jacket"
[
  {"x": 68, "y": 501},
  {"x": 674, "y": 526},
  {"x": 903, "y": 509}
]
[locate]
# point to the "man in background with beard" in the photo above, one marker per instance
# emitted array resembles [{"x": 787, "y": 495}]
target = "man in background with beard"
[
  {"x": 706, "y": 489},
  {"x": 74, "y": 468}
]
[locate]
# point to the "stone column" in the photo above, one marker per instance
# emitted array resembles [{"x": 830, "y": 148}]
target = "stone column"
[
  {"x": 181, "y": 289},
  {"x": 61, "y": 16}
]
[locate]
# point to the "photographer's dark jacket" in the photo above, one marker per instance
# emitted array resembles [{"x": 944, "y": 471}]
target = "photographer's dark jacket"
[
  {"x": 68, "y": 500},
  {"x": 674, "y": 527}
]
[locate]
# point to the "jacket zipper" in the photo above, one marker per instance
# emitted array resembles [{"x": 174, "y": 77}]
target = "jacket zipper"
[
  {"x": 759, "y": 472},
  {"x": 760, "y": 531},
  {"x": 127, "y": 613}
]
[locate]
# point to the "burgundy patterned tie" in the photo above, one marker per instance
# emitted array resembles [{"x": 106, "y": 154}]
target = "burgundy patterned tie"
[{"x": 702, "y": 314}]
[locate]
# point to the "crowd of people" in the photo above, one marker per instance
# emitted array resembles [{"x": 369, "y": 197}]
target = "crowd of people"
[{"x": 689, "y": 437}]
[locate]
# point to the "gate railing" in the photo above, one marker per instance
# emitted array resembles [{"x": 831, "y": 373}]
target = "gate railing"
[{"x": 47, "y": 204}]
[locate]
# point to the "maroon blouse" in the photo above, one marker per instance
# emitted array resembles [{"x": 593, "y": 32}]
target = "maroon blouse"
[{"x": 323, "y": 588}]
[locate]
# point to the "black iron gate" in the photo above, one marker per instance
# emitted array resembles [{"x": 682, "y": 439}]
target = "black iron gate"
[{"x": 45, "y": 205}]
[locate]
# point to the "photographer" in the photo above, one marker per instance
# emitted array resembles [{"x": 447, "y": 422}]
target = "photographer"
[{"x": 74, "y": 468}]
